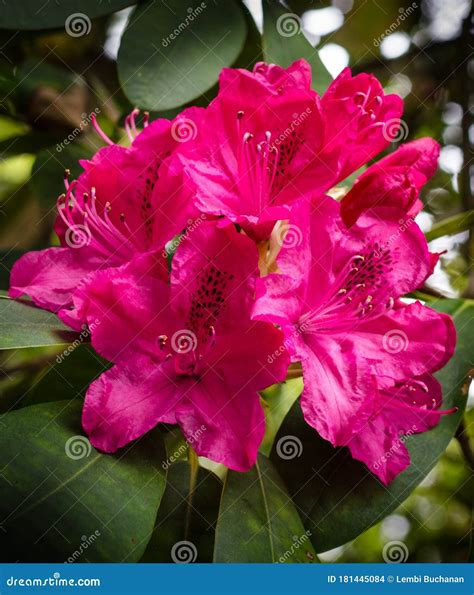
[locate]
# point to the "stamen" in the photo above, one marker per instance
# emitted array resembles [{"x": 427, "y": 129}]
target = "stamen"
[{"x": 99, "y": 130}]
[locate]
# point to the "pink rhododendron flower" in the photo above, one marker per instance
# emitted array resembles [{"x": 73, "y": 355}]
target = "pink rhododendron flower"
[
  {"x": 259, "y": 147},
  {"x": 186, "y": 353},
  {"x": 336, "y": 298},
  {"x": 267, "y": 140},
  {"x": 394, "y": 181},
  {"x": 116, "y": 209},
  {"x": 192, "y": 346}
]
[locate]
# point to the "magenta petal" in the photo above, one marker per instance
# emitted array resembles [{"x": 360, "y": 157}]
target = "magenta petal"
[
  {"x": 395, "y": 181},
  {"x": 338, "y": 389},
  {"x": 401, "y": 410},
  {"x": 126, "y": 308},
  {"x": 384, "y": 453},
  {"x": 222, "y": 423},
  {"x": 407, "y": 341},
  {"x": 126, "y": 402},
  {"x": 213, "y": 266},
  {"x": 50, "y": 276}
]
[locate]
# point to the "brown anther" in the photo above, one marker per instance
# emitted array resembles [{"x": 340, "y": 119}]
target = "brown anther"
[
  {"x": 240, "y": 114},
  {"x": 122, "y": 217}
]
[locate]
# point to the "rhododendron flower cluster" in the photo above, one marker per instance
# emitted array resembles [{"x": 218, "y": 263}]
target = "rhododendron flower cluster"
[{"x": 220, "y": 248}]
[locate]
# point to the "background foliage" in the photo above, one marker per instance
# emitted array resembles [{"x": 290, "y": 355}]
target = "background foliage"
[{"x": 53, "y": 73}]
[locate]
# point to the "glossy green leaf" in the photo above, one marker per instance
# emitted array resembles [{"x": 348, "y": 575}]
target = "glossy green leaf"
[
  {"x": 24, "y": 325},
  {"x": 284, "y": 42},
  {"x": 177, "y": 511},
  {"x": 58, "y": 491},
  {"x": 339, "y": 497},
  {"x": 68, "y": 375},
  {"x": 30, "y": 14},
  {"x": 257, "y": 520},
  {"x": 172, "y": 51}
]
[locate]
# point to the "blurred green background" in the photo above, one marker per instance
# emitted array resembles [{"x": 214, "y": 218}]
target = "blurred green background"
[{"x": 50, "y": 81}]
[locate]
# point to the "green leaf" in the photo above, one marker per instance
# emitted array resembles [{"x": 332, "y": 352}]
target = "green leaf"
[
  {"x": 276, "y": 402},
  {"x": 68, "y": 376},
  {"x": 24, "y": 325},
  {"x": 58, "y": 491},
  {"x": 257, "y": 520},
  {"x": 170, "y": 528},
  {"x": 451, "y": 225},
  {"x": 339, "y": 497},
  {"x": 33, "y": 15},
  {"x": 284, "y": 42},
  {"x": 173, "y": 51}
]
